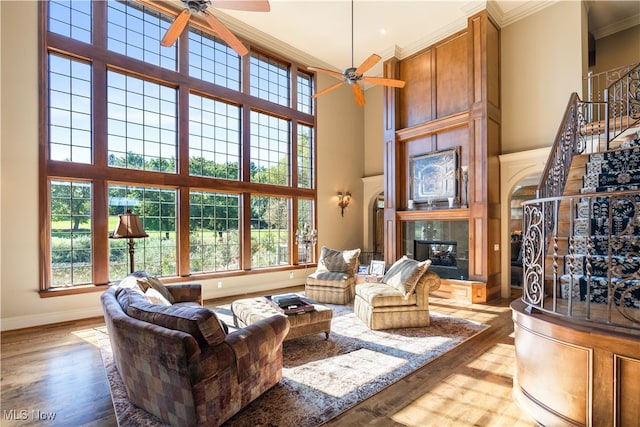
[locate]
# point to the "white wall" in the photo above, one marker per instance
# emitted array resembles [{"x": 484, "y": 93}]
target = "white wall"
[
  {"x": 541, "y": 65},
  {"x": 340, "y": 165}
]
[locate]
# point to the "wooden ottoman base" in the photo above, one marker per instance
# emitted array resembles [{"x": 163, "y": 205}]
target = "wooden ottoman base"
[{"x": 251, "y": 310}]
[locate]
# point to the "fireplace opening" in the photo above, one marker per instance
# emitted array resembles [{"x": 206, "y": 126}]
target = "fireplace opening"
[
  {"x": 444, "y": 242},
  {"x": 443, "y": 255}
]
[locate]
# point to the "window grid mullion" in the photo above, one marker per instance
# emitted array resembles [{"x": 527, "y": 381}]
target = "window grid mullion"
[{"x": 101, "y": 175}]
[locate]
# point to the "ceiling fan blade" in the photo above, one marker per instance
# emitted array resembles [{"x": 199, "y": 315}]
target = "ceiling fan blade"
[
  {"x": 331, "y": 73},
  {"x": 357, "y": 92},
  {"x": 246, "y": 5},
  {"x": 383, "y": 81},
  {"x": 226, "y": 35},
  {"x": 367, "y": 64},
  {"x": 176, "y": 28},
  {"x": 329, "y": 89}
]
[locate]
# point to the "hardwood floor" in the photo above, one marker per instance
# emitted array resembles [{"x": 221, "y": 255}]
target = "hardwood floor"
[{"x": 57, "y": 371}]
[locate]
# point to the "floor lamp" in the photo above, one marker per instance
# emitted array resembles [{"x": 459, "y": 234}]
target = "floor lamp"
[{"x": 129, "y": 227}]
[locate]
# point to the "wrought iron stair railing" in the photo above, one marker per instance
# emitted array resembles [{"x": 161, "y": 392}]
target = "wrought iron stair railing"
[{"x": 581, "y": 252}]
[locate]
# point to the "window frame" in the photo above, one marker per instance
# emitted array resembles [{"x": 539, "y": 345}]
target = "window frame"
[{"x": 101, "y": 176}]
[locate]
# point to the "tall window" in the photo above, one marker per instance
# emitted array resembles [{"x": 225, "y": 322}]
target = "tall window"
[
  {"x": 70, "y": 207},
  {"x": 186, "y": 151},
  {"x": 214, "y": 220},
  {"x": 141, "y": 124},
  {"x": 69, "y": 110},
  {"x": 157, "y": 210}
]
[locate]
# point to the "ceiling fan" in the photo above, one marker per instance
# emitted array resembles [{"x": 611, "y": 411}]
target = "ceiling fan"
[
  {"x": 200, "y": 6},
  {"x": 353, "y": 75}
]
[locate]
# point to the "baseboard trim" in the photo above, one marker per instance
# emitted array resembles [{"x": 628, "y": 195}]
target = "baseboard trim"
[{"x": 29, "y": 321}]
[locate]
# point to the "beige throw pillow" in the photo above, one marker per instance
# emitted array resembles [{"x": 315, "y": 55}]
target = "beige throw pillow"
[
  {"x": 133, "y": 282},
  {"x": 404, "y": 275},
  {"x": 161, "y": 289},
  {"x": 338, "y": 261},
  {"x": 156, "y": 297}
]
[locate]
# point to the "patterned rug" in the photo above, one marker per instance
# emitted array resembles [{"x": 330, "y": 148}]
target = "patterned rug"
[{"x": 322, "y": 378}]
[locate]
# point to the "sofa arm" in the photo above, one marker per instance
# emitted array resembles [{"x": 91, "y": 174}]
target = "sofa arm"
[
  {"x": 249, "y": 343},
  {"x": 429, "y": 282},
  {"x": 432, "y": 281},
  {"x": 189, "y": 292}
]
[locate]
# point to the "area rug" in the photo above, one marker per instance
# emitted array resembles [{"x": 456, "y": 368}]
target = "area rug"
[{"x": 322, "y": 378}]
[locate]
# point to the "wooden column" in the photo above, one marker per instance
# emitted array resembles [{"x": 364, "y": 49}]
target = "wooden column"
[
  {"x": 391, "y": 233},
  {"x": 451, "y": 99}
]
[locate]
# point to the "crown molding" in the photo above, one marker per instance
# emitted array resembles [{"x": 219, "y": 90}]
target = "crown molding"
[
  {"x": 622, "y": 25},
  {"x": 524, "y": 10},
  {"x": 502, "y": 19}
]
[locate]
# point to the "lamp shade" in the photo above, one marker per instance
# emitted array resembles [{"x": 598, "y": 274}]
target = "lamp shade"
[{"x": 129, "y": 227}]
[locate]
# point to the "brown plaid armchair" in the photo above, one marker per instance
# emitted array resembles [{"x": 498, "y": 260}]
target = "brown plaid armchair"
[{"x": 178, "y": 363}]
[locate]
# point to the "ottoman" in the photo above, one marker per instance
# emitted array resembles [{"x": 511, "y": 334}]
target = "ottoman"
[{"x": 250, "y": 310}]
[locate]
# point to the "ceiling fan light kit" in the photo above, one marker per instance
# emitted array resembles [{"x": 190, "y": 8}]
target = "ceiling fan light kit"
[
  {"x": 200, "y": 7},
  {"x": 353, "y": 75}
]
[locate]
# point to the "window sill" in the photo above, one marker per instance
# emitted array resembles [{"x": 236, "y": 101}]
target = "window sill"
[
  {"x": 72, "y": 290},
  {"x": 85, "y": 289}
]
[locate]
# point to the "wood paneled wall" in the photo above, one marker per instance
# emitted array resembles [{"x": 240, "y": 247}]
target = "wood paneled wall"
[
  {"x": 570, "y": 374},
  {"x": 451, "y": 99}
]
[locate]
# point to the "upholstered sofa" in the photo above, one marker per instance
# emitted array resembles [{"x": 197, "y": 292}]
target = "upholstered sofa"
[
  {"x": 178, "y": 362},
  {"x": 400, "y": 300},
  {"x": 334, "y": 280}
]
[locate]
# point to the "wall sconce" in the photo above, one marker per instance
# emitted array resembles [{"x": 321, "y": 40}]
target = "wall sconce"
[
  {"x": 129, "y": 227},
  {"x": 343, "y": 201}
]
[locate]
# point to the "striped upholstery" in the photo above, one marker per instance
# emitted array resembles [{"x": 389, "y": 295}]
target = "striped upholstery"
[
  {"x": 404, "y": 274},
  {"x": 381, "y": 306},
  {"x": 334, "y": 280},
  {"x": 183, "y": 382}
]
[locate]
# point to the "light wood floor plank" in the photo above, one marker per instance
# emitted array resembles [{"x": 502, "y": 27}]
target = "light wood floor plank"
[{"x": 58, "y": 369}]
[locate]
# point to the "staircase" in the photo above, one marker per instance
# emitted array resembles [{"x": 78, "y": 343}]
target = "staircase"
[
  {"x": 582, "y": 234},
  {"x": 602, "y": 264},
  {"x": 577, "y": 325}
]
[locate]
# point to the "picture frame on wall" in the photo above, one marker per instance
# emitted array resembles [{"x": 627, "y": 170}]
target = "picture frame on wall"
[
  {"x": 435, "y": 176},
  {"x": 377, "y": 268}
]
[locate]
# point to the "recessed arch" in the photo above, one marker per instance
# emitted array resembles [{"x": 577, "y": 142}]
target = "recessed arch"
[{"x": 515, "y": 168}]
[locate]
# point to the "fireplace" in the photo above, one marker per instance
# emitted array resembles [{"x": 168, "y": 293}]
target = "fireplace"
[
  {"x": 444, "y": 242},
  {"x": 444, "y": 258},
  {"x": 441, "y": 253}
]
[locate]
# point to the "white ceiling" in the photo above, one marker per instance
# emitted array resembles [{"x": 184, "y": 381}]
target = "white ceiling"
[{"x": 318, "y": 32}]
